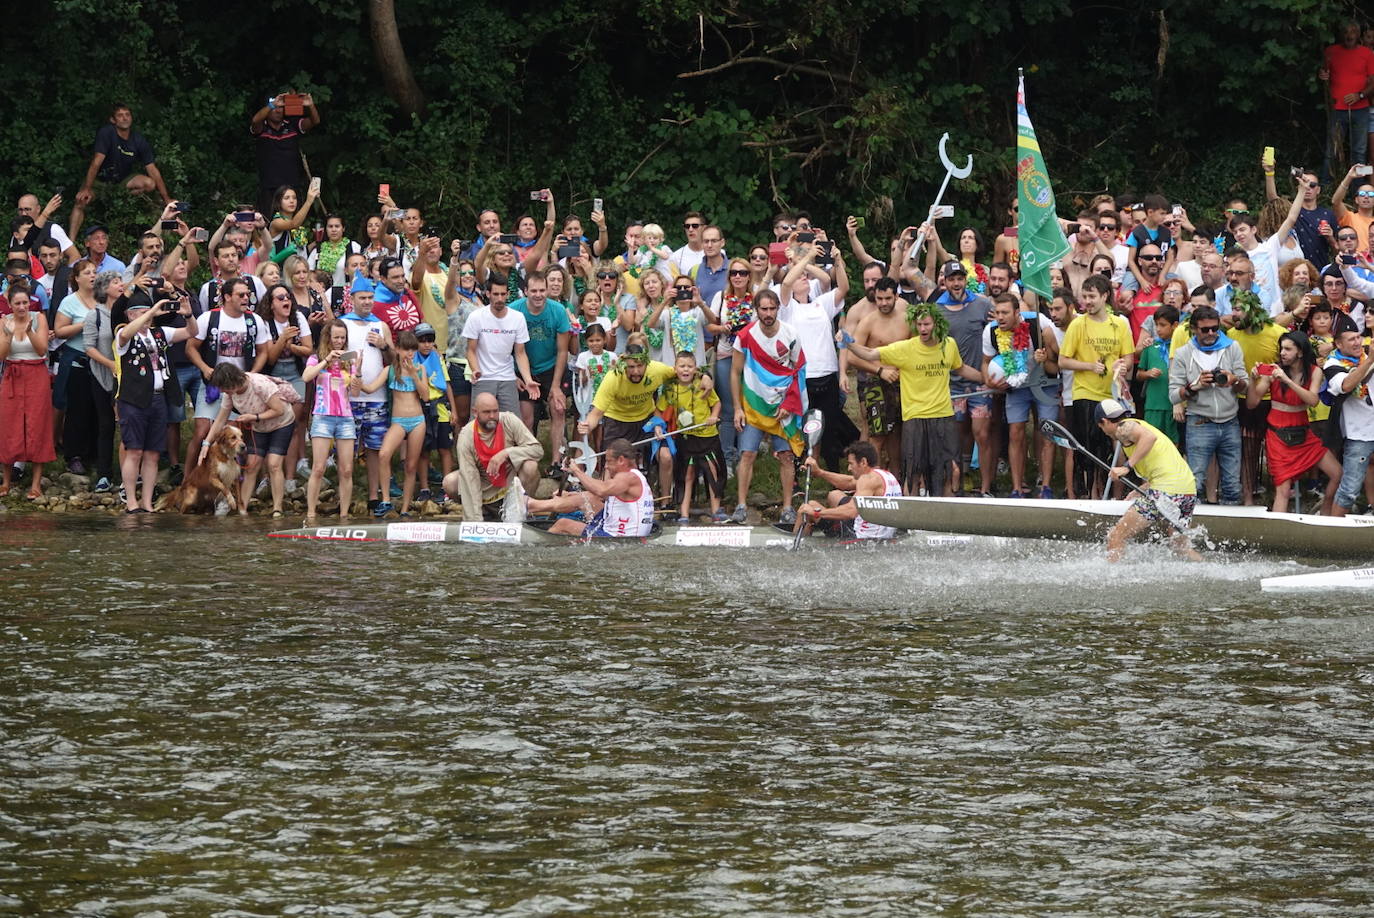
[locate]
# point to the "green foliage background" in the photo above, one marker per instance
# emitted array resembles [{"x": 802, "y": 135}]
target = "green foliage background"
[{"x": 837, "y": 108}]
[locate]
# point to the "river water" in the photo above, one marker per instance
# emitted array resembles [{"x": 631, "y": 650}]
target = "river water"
[{"x": 198, "y": 720}]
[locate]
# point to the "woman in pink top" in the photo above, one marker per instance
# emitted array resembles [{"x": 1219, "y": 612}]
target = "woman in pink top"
[{"x": 331, "y": 423}]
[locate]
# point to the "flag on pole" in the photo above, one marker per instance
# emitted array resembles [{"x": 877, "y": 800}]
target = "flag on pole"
[{"x": 1039, "y": 237}]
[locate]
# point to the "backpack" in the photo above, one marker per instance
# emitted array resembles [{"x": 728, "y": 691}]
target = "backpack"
[
  {"x": 250, "y": 343},
  {"x": 296, "y": 313}
]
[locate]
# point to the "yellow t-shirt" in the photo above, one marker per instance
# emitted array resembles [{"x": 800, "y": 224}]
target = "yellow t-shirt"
[
  {"x": 1089, "y": 341},
  {"x": 1258, "y": 346},
  {"x": 431, "y": 295},
  {"x": 622, "y": 400},
  {"x": 1163, "y": 467},
  {"x": 689, "y": 398},
  {"x": 924, "y": 375}
]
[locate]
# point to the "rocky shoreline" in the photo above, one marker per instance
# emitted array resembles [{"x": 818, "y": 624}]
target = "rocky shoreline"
[{"x": 66, "y": 492}]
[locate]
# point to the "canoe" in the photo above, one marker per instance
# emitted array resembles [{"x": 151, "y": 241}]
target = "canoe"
[
  {"x": 701, "y": 536},
  {"x": 1359, "y": 578},
  {"x": 1225, "y": 528}
]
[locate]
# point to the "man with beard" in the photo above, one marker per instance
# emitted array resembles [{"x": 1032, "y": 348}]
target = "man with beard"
[
  {"x": 930, "y": 441},
  {"x": 1150, "y": 264},
  {"x": 494, "y": 449},
  {"x": 879, "y": 387}
]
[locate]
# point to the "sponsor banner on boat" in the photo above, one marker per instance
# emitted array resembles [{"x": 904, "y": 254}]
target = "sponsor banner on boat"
[
  {"x": 946, "y": 541},
  {"x": 697, "y": 536},
  {"x": 489, "y": 533},
  {"x": 341, "y": 532},
  {"x": 415, "y": 532}
]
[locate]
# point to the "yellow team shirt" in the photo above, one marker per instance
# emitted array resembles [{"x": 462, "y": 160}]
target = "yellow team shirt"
[
  {"x": 1258, "y": 346},
  {"x": 625, "y": 401},
  {"x": 689, "y": 398},
  {"x": 432, "y": 304},
  {"x": 1163, "y": 467},
  {"x": 1089, "y": 340},
  {"x": 924, "y": 375}
]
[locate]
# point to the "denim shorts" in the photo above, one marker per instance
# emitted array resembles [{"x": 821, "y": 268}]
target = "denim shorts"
[
  {"x": 980, "y": 406},
  {"x": 372, "y": 422},
  {"x": 751, "y": 438},
  {"x": 332, "y": 427},
  {"x": 191, "y": 384}
]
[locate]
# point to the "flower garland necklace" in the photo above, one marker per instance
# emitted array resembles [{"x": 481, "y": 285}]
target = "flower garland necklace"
[{"x": 1013, "y": 351}]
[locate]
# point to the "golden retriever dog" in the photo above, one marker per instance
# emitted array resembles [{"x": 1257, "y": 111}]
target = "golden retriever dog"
[{"x": 215, "y": 479}]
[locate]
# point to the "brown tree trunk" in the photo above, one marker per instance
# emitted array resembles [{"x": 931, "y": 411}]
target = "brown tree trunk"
[{"x": 391, "y": 58}]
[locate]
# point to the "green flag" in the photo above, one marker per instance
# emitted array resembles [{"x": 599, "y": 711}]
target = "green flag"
[{"x": 1041, "y": 241}]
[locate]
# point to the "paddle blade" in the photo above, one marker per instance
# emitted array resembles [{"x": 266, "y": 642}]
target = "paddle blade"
[
  {"x": 813, "y": 426},
  {"x": 1059, "y": 434}
]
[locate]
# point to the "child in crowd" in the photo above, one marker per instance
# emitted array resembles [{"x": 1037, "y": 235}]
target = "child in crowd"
[
  {"x": 331, "y": 421},
  {"x": 589, "y": 314},
  {"x": 681, "y": 404},
  {"x": 1154, "y": 370},
  {"x": 441, "y": 408},
  {"x": 406, "y": 380},
  {"x": 593, "y": 363},
  {"x": 653, "y": 253}
]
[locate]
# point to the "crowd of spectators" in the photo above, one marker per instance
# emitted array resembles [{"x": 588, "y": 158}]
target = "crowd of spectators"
[{"x": 1245, "y": 342}]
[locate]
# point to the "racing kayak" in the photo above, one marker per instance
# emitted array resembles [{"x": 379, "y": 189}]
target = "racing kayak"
[
  {"x": 1359, "y": 578},
  {"x": 1228, "y": 528},
  {"x": 536, "y": 533}
]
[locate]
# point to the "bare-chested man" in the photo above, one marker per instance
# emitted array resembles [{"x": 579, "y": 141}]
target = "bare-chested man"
[{"x": 879, "y": 391}]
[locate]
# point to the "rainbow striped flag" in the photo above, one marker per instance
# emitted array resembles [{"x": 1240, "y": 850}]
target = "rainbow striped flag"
[{"x": 769, "y": 387}]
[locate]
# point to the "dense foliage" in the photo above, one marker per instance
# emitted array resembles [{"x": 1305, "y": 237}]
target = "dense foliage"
[{"x": 736, "y": 109}]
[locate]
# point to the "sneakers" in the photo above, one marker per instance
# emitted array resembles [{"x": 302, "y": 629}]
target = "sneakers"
[
  {"x": 303, "y": 468},
  {"x": 740, "y": 513},
  {"x": 372, "y": 503},
  {"x": 103, "y": 486},
  {"x": 291, "y": 486},
  {"x": 176, "y": 475},
  {"x": 76, "y": 466},
  {"x": 329, "y": 463},
  {"x": 789, "y": 516},
  {"x": 1017, "y": 495},
  {"x": 424, "y": 495},
  {"x": 1046, "y": 492},
  {"x": 262, "y": 486},
  {"x": 436, "y": 477},
  {"x": 396, "y": 489},
  {"x": 719, "y": 516},
  {"x": 382, "y": 509}
]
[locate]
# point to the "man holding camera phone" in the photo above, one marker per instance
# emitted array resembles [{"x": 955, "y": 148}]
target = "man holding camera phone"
[
  {"x": 277, "y": 128},
  {"x": 1204, "y": 376}
]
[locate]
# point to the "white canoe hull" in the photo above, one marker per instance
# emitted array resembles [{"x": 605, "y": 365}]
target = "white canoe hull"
[
  {"x": 1229, "y": 528},
  {"x": 1359, "y": 578},
  {"x": 688, "y": 536}
]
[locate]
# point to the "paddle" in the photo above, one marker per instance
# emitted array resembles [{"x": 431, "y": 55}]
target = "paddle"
[
  {"x": 1060, "y": 434},
  {"x": 812, "y": 428}
]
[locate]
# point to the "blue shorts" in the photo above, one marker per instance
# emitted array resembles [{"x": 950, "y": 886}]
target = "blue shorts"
[
  {"x": 332, "y": 427},
  {"x": 191, "y": 384},
  {"x": 409, "y": 423},
  {"x": 751, "y": 438},
  {"x": 980, "y": 406},
  {"x": 143, "y": 428},
  {"x": 372, "y": 421},
  {"x": 1018, "y": 405}
]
